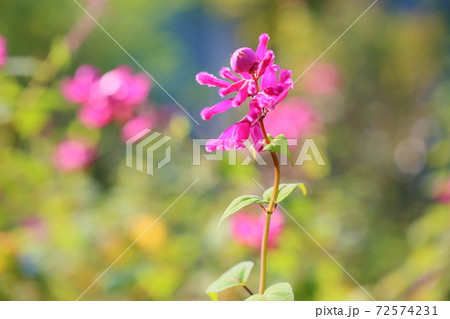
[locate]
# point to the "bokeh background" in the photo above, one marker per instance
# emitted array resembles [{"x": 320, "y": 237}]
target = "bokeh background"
[{"x": 377, "y": 105}]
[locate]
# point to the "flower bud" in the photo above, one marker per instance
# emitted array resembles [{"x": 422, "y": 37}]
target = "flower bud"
[{"x": 243, "y": 60}]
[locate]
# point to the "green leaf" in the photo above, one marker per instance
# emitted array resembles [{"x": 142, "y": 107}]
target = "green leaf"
[
  {"x": 239, "y": 203},
  {"x": 214, "y": 296},
  {"x": 235, "y": 276},
  {"x": 284, "y": 190},
  {"x": 256, "y": 297},
  {"x": 280, "y": 145},
  {"x": 277, "y": 292}
]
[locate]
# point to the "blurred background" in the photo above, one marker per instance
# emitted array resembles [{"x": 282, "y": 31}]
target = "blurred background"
[{"x": 377, "y": 105}]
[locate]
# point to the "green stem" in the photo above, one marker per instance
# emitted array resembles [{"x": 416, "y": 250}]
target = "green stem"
[
  {"x": 269, "y": 211},
  {"x": 262, "y": 279}
]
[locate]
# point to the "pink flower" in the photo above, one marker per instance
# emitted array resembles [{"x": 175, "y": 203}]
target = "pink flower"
[
  {"x": 95, "y": 116},
  {"x": 232, "y": 138},
  {"x": 257, "y": 78},
  {"x": 104, "y": 98},
  {"x": 78, "y": 89},
  {"x": 248, "y": 229},
  {"x": 442, "y": 192},
  {"x": 35, "y": 227},
  {"x": 122, "y": 86},
  {"x": 3, "y": 51},
  {"x": 136, "y": 125},
  {"x": 235, "y": 136},
  {"x": 72, "y": 155},
  {"x": 294, "y": 118},
  {"x": 323, "y": 79}
]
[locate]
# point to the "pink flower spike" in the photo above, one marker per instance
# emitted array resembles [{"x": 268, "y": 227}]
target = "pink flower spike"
[
  {"x": 252, "y": 88},
  {"x": 288, "y": 85},
  {"x": 3, "y": 51},
  {"x": 268, "y": 59},
  {"x": 243, "y": 60},
  {"x": 208, "y": 112},
  {"x": 241, "y": 131},
  {"x": 72, "y": 155},
  {"x": 259, "y": 79},
  {"x": 263, "y": 100},
  {"x": 227, "y": 74},
  {"x": 254, "y": 111},
  {"x": 269, "y": 78},
  {"x": 241, "y": 95},
  {"x": 231, "y": 88},
  {"x": 285, "y": 75},
  {"x": 257, "y": 137},
  {"x": 262, "y": 47},
  {"x": 210, "y": 80},
  {"x": 232, "y": 138}
]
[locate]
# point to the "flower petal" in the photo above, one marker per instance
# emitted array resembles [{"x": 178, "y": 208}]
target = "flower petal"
[
  {"x": 92, "y": 116},
  {"x": 254, "y": 111},
  {"x": 262, "y": 47},
  {"x": 208, "y": 112},
  {"x": 232, "y": 138},
  {"x": 269, "y": 78},
  {"x": 227, "y": 74},
  {"x": 77, "y": 89},
  {"x": 257, "y": 137},
  {"x": 285, "y": 75},
  {"x": 241, "y": 96},
  {"x": 138, "y": 88},
  {"x": 265, "y": 63},
  {"x": 231, "y": 88},
  {"x": 252, "y": 88},
  {"x": 210, "y": 80}
]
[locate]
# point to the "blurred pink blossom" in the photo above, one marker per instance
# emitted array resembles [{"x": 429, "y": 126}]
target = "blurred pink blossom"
[
  {"x": 293, "y": 118},
  {"x": 123, "y": 86},
  {"x": 104, "y": 98},
  {"x": 36, "y": 227},
  {"x": 95, "y": 116},
  {"x": 3, "y": 51},
  {"x": 72, "y": 155},
  {"x": 323, "y": 79},
  {"x": 248, "y": 228},
  {"x": 442, "y": 192},
  {"x": 135, "y": 126},
  {"x": 78, "y": 89}
]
